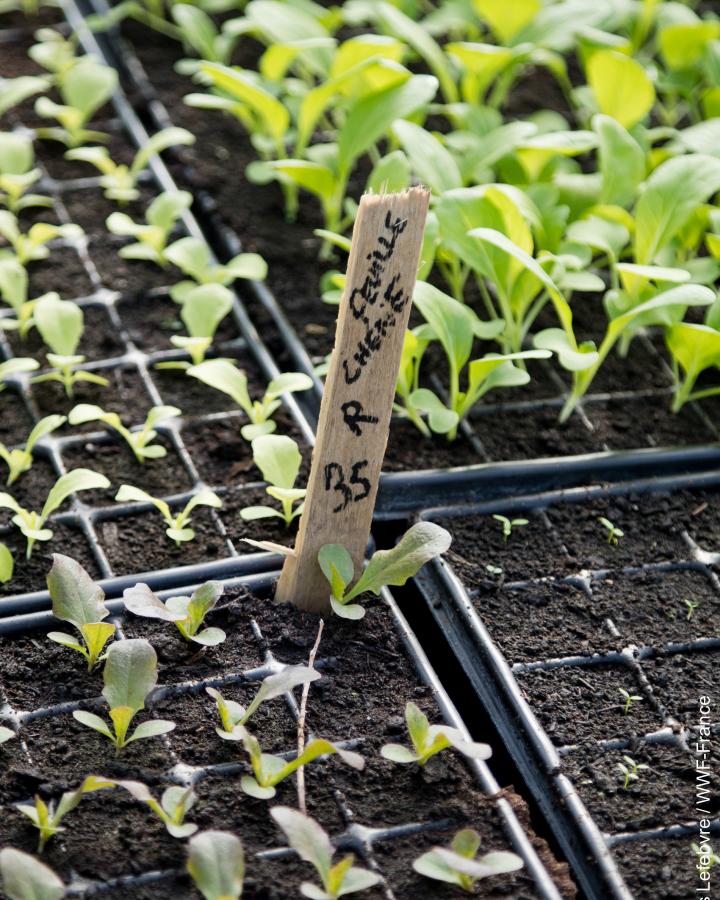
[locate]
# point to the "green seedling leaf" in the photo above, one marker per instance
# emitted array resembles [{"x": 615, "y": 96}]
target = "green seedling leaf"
[
  {"x": 7, "y": 566},
  {"x": 427, "y": 740},
  {"x": 216, "y": 864},
  {"x": 458, "y": 864},
  {"x": 26, "y": 878},
  {"x": 622, "y": 87}
]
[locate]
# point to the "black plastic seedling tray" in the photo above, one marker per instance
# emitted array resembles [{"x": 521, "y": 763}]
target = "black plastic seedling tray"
[
  {"x": 374, "y": 843},
  {"x": 491, "y": 632}
]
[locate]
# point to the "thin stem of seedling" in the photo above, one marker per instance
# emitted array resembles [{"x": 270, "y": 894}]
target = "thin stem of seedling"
[
  {"x": 302, "y": 805},
  {"x": 629, "y": 699},
  {"x": 692, "y": 605}
]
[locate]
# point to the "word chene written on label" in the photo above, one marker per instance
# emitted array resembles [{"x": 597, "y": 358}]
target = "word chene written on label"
[{"x": 376, "y": 306}]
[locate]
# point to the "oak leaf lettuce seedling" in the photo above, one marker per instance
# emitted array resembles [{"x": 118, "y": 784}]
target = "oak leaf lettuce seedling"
[
  {"x": 151, "y": 238},
  {"x": 311, "y": 842},
  {"x": 130, "y": 674},
  {"x": 178, "y": 528},
  {"x": 78, "y": 600},
  {"x": 216, "y": 864},
  {"x": 418, "y": 545},
  {"x": 140, "y": 442},
  {"x": 186, "y": 613},
  {"x": 460, "y": 865},
  {"x": 15, "y": 366},
  {"x": 26, "y": 878},
  {"x": 171, "y": 809},
  {"x": 427, "y": 740},
  {"x": 32, "y": 246},
  {"x": 192, "y": 256},
  {"x": 204, "y": 306},
  {"x": 279, "y": 460},
  {"x": 20, "y": 459},
  {"x": 17, "y": 173}
]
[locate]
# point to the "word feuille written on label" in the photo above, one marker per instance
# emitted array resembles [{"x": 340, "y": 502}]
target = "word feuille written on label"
[{"x": 377, "y": 304}]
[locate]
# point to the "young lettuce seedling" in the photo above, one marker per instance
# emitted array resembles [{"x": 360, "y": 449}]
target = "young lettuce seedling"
[
  {"x": 630, "y": 770},
  {"x": 216, "y": 864},
  {"x": 224, "y": 376},
  {"x": 192, "y": 257},
  {"x": 705, "y": 856},
  {"x": 119, "y": 182},
  {"x": 691, "y": 605},
  {"x": 613, "y": 532},
  {"x": 508, "y": 525},
  {"x": 178, "y": 528},
  {"x": 279, "y": 460},
  {"x": 32, "y": 246},
  {"x": 78, "y": 600},
  {"x": 694, "y": 350},
  {"x": 187, "y": 613},
  {"x": 130, "y": 674},
  {"x": 427, "y": 740},
  {"x": 26, "y": 878},
  {"x": 171, "y": 809},
  {"x": 20, "y": 459},
  {"x": 140, "y": 442},
  {"x": 269, "y": 770},
  {"x": 459, "y": 863},
  {"x": 311, "y": 842},
  {"x": 47, "y": 817},
  {"x": 233, "y": 716},
  {"x": 151, "y": 238},
  {"x": 17, "y": 174},
  {"x": 418, "y": 545},
  {"x": 15, "y": 366},
  {"x": 32, "y": 523},
  {"x": 204, "y": 306},
  {"x": 61, "y": 324},
  {"x": 629, "y": 699},
  {"x": 14, "y": 291}
]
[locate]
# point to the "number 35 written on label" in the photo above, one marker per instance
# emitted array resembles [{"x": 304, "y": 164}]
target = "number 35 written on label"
[{"x": 354, "y": 489}]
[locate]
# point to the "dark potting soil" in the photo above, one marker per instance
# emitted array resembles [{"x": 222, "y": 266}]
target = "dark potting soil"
[
  {"x": 127, "y": 276},
  {"x": 89, "y": 208},
  {"x": 270, "y": 529},
  {"x": 195, "y": 398},
  {"x": 62, "y": 271},
  {"x": 660, "y": 868},
  {"x": 31, "y": 488},
  {"x": 408, "y": 449},
  {"x": 680, "y": 680},
  {"x": 51, "y": 154},
  {"x": 98, "y": 341},
  {"x": 15, "y": 419}
]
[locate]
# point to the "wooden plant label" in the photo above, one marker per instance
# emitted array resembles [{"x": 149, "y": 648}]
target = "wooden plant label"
[{"x": 359, "y": 391}]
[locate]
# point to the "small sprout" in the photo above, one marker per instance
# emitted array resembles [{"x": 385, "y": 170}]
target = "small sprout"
[
  {"x": 47, "y": 817},
  {"x": 460, "y": 865},
  {"x": 17, "y": 173},
  {"x": 118, "y": 181},
  {"x": 203, "y": 309},
  {"x": 192, "y": 257},
  {"x": 279, "y": 459},
  {"x": 151, "y": 239},
  {"x": 32, "y": 523},
  {"x": 493, "y": 570},
  {"x": 509, "y": 524},
  {"x": 224, "y": 376},
  {"x": 178, "y": 528},
  {"x": 20, "y": 459},
  {"x": 427, "y": 740},
  {"x": 130, "y": 674},
  {"x": 140, "y": 441},
  {"x": 26, "y": 878},
  {"x": 15, "y": 366},
  {"x": 187, "y": 613},
  {"x": 6, "y": 734},
  {"x": 216, "y": 864},
  {"x": 61, "y": 324},
  {"x": 171, "y": 809},
  {"x": 630, "y": 770},
  {"x": 7, "y": 564},
  {"x": 78, "y": 600},
  {"x": 269, "y": 770},
  {"x": 706, "y": 858},
  {"x": 692, "y": 605},
  {"x": 32, "y": 246},
  {"x": 629, "y": 699},
  {"x": 233, "y": 716},
  {"x": 613, "y": 533},
  {"x": 311, "y": 842},
  {"x": 417, "y": 546},
  {"x": 14, "y": 292}
]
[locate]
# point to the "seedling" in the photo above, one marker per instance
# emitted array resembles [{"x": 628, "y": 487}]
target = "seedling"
[
  {"x": 427, "y": 740},
  {"x": 32, "y": 524},
  {"x": 84, "y": 88},
  {"x": 187, "y": 613},
  {"x": 233, "y": 716},
  {"x": 695, "y": 349},
  {"x": 216, "y": 864},
  {"x": 78, "y": 600},
  {"x": 630, "y": 770},
  {"x": 119, "y": 182},
  {"x": 17, "y": 173},
  {"x": 508, "y": 525},
  {"x": 14, "y": 291},
  {"x": 192, "y": 257},
  {"x": 269, "y": 770},
  {"x": 129, "y": 675},
  {"x": 692, "y": 605},
  {"x": 55, "y": 52},
  {"x": 178, "y": 528},
  {"x": 706, "y": 857},
  {"x": 140, "y": 442},
  {"x": 311, "y": 842},
  {"x": 613, "y": 532},
  {"x": 171, "y": 809},
  {"x": 151, "y": 238},
  {"x": 61, "y": 324},
  {"x": 629, "y": 699},
  {"x": 15, "y": 366},
  {"x": 204, "y": 306},
  {"x": 224, "y": 376},
  {"x": 20, "y": 459},
  {"x": 7, "y": 564},
  {"x": 26, "y": 878},
  {"x": 418, "y": 545},
  {"x": 459, "y": 863},
  {"x": 28, "y": 8},
  {"x": 279, "y": 460},
  {"x": 47, "y": 817},
  {"x": 32, "y": 246}
]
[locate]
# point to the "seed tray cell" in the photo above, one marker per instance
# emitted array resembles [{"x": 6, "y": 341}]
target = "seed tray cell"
[{"x": 52, "y": 752}]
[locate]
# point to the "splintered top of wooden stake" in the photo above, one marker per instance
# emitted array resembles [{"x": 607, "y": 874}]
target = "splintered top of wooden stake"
[{"x": 359, "y": 390}]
